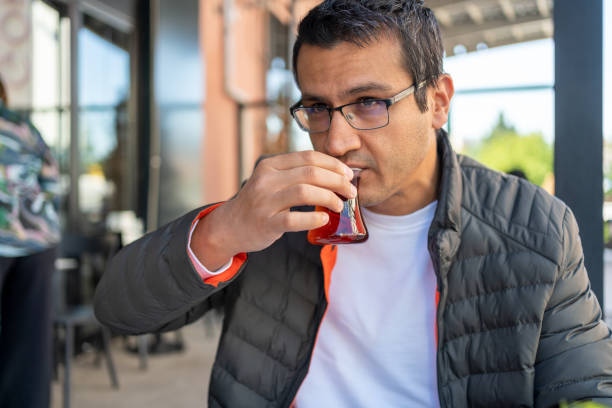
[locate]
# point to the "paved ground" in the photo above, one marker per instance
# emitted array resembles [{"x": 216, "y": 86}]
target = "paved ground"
[{"x": 177, "y": 380}]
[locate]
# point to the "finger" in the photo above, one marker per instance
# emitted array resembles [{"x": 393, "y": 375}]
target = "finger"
[
  {"x": 309, "y": 158},
  {"x": 320, "y": 177},
  {"x": 293, "y": 221},
  {"x": 306, "y": 194}
]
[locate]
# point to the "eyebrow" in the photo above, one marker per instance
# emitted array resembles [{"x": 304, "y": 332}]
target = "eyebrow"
[
  {"x": 370, "y": 86},
  {"x": 367, "y": 87}
]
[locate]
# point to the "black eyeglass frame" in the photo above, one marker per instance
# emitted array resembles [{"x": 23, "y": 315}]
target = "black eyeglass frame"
[{"x": 388, "y": 102}]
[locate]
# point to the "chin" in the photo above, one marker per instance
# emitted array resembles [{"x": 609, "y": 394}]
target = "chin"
[
  {"x": 367, "y": 199},
  {"x": 369, "y": 191},
  {"x": 366, "y": 195}
]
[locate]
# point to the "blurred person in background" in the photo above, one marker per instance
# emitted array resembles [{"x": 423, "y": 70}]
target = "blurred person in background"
[
  {"x": 29, "y": 234},
  {"x": 518, "y": 173},
  {"x": 470, "y": 291}
]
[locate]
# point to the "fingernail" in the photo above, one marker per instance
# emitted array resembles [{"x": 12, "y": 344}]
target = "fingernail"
[
  {"x": 348, "y": 172},
  {"x": 354, "y": 190}
]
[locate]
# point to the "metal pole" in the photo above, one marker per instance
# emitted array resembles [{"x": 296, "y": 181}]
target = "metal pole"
[
  {"x": 75, "y": 165},
  {"x": 143, "y": 77},
  {"x": 578, "y": 124},
  {"x": 155, "y": 161}
]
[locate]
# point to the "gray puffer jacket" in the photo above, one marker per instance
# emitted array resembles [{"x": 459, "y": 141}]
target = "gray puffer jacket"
[{"x": 517, "y": 323}]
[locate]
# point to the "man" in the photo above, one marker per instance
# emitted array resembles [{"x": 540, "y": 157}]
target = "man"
[
  {"x": 470, "y": 290},
  {"x": 29, "y": 233}
]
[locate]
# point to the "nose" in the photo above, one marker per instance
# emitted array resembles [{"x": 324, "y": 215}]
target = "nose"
[{"x": 341, "y": 137}]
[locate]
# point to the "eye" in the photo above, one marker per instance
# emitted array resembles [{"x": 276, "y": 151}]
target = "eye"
[
  {"x": 370, "y": 105},
  {"x": 316, "y": 109},
  {"x": 368, "y": 102}
]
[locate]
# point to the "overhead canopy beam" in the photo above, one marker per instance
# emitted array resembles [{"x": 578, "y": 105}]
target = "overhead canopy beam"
[
  {"x": 115, "y": 13},
  {"x": 444, "y": 3},
  {"x": 498, "y": 37},
  {"x": 543, "y": 7},
  {"x": 467, "y": 29},
  {"x": 474, "y": 12},
  {"x": 491, "y": 22},
  {"x": 508, "y": 9}
]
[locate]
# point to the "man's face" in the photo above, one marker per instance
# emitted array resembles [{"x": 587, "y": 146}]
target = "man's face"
[{"x": 398, "y": 159}]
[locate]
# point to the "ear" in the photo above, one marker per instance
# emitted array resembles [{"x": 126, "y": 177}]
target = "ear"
[{"x": 441, "y": 96}]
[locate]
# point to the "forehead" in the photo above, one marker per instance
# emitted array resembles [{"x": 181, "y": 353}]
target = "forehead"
[{"x": 327, "y": 72}]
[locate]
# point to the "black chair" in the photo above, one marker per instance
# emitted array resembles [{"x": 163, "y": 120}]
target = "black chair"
[{"x": 80, "y": 257}]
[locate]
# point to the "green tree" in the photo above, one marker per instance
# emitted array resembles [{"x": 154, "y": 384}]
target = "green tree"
[{"x": 504, "y": 149}]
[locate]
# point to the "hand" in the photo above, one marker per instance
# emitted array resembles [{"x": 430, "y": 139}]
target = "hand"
[{"x": 260, "y": 213}]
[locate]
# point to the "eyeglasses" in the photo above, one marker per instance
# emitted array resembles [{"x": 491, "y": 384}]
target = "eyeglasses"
[{"x": 363, "y": 115}]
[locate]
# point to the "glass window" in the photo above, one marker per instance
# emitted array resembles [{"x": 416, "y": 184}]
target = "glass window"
[
  {"x": 104, "y": 83},
  {"x": 179, "y": 121},
  {"x": 104, "y": 78},
  {"x": 49, "y": 110},
  {"x": 45, "y": 60}
]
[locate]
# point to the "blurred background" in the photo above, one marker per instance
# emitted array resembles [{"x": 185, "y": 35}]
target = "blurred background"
[{"x": 155, "y": 107}]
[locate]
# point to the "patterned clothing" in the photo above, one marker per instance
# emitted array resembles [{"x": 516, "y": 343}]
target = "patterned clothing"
[{"x": 28, "y": 187}]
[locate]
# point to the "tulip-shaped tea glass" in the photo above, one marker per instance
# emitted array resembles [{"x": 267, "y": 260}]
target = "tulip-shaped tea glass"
[{"x": 346, "y": 227}]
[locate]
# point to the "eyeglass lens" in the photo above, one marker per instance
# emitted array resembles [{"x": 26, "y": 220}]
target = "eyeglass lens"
[{"x": 364, "y": 115}]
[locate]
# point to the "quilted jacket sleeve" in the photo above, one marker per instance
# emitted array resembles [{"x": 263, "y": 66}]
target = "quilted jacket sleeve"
[
  {"x": 152, "y": 286},
  {"x": 574, "y": 358}
]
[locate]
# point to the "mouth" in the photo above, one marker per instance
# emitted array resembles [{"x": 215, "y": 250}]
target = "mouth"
[
  {"x": 358, "y": 171},
  {"x": 357, "y": 175}
]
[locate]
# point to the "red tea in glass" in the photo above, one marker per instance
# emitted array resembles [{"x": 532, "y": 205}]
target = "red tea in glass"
[{"x": 346, "y": 227}]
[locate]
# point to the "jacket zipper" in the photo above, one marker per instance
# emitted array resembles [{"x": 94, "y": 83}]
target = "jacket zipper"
[
  {"x": 434, "y": 251},
  {"x": 440, "y": 333},
  {"x": 327, "y": 252}
]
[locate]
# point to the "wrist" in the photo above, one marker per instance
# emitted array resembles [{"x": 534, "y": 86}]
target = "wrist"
[{"x": 212, "y": 241}]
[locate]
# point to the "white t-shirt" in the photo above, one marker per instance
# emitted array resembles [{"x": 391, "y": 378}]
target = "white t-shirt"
[{"x": 376, "y": 345}]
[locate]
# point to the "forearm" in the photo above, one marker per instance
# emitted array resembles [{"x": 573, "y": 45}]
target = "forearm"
[{"x": 151, "y": 282}]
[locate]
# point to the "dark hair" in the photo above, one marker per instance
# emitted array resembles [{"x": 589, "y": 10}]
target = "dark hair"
[
  {"x": 362, "y": 21},
  {"x": 3, "y": 95}
]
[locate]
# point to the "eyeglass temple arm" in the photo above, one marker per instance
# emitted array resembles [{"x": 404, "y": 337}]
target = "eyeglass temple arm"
[{"x": 407, "y": 92}]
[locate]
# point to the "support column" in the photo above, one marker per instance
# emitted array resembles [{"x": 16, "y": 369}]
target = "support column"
[{"x": 579, "y": 124}]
